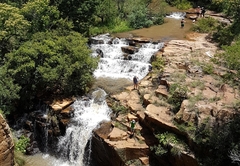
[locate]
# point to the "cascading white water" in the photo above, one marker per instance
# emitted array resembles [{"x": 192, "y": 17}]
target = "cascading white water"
[
  {"x": 177, "y": 15},
  {"x": 113, "y": 64},
  {"x": 87, "y": 115}
]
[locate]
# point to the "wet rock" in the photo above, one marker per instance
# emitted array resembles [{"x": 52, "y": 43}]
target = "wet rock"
[
  {"x": 141, "y": 40},
  {"x": 95, "y": 41},
  {"x": 99, "y": 52},
  {"x": 129, "y": 49}
]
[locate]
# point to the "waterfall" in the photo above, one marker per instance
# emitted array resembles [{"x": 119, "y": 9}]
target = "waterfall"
[
  {"x": 177, "y": 15},
  {"x": 88, "y": 113},
  {"x": 113, "y": 64}
]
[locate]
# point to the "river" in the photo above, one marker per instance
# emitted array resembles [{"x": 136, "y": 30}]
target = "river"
[{"x": 111, "y": 67}]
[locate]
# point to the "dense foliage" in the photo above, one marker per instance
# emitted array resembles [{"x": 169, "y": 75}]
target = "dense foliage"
[
  {"x": 51, "y": 62},
  {"x": 44, "y": 52}
]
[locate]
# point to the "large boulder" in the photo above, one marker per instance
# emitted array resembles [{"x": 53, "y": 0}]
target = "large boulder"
[{"x": 6, "y": 144}]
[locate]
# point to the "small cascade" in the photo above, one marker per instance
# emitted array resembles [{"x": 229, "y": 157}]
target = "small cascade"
[
  {"x": 177, "y": 15},
  {"x": 87, "y": 115},
  {"x": 113, "y": 64}
]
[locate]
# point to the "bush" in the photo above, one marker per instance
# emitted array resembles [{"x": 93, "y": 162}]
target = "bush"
[
  {"x": 205, "y": 25},
  {"x": 22, "y": 144},
  {"x": 208, "y": 69},
  {"x": 178, "y": 94},
  {"x": 223, "y": 36},
  {"x": 180, "y": 4}
]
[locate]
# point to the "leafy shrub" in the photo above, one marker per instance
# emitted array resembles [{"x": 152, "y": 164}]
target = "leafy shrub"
[
  {"x": 230, "y": 59},
  {"x": 22, "y": 144},
  {"x": 180, "y": 4},
  {"x": 223, "y": 36},
  {"x": 158, "y": 20},
  {"x": 168, "y": 142},
  {"x": 208, "y": 69},
  {"x": 139, "y": 19},
  {"x": 178, "y": 94},
  {"x": 158, "y": 64},
  {"x": 205, "y": 25}
]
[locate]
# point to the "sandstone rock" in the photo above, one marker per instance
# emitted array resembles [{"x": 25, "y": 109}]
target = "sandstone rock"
[
  {"x": 144, "y": 160},
  {"x": 104, "y": 153},
  {"x": 162, "y": 90},
  {"x": 6, "y": 144},
  {"x": 117, "y": 135},
  {"x": 184, "y": 115},
  {"x": 129, "y": 149},
  {"x": 131, "y": 117},
  {"x": 160, "y": 116},
  {"x": 141, "y": 40},
  {"x": 60, "y": 105},
  {"x": 150, "y": 99}
]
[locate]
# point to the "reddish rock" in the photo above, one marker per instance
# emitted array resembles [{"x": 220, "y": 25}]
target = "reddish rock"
[{"x": 6, "y": 144}]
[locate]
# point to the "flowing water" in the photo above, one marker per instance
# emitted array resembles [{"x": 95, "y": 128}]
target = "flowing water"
[
  {"x": 170, "y": 30},
  {"x": 89, "y": 113}
]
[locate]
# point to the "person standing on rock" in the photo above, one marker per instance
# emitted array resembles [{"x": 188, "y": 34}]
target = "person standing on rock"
[
  {"x": 150, "y": 70},
  {"x": 135, "y": 82},
  {"x": 132, "y": 126},
  {"x": 203, "y": 12}
]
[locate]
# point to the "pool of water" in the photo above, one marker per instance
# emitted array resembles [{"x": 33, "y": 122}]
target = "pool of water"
[{"x": 170, "y": 30}]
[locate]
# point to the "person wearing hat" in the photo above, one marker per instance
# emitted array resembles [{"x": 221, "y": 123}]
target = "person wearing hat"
[{"x": 132, "y": 125}]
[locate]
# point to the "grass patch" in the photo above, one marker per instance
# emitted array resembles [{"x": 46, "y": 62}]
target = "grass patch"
[
  {"x": 208, "y": 69},
  {"x": 115, "y": 27},
  {"x": 120, "y": 126},
  {"x": 193, "y": 100},
  {"x": 178, "y": 77},
  {"x": 197, "y": 84}
]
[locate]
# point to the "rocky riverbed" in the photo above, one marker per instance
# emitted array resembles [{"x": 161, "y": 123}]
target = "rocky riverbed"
[{"x": 186, "y": 63}]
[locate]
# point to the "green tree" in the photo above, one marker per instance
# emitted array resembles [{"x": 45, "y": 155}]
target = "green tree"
[
  {"x": 13, "y": 28},
  {"x": 106, "y": 10},
  {"x": 230, "y": 58},
  {"x": 81, "y": 13},
  {"x": 137, "y": 13},
  {"x": 52, "y": 63},
  {"x": 8, "y": 92},
  {"x": 232, "y": 9},
  {"x": 15, "y": 3},
  {"x": 41, "y": 15}
]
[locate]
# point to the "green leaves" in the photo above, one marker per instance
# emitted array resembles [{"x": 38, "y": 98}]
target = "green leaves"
[
  {"x": 13, "y": 28},
  {"x": 22, "y": 144},
  {"x": 8, "y": 91},
  {"x": 52, "y": 62},
  {"x": 41, "y": 15}
]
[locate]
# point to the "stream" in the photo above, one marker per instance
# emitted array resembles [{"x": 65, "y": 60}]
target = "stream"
[{"x": 89, "y": 113}]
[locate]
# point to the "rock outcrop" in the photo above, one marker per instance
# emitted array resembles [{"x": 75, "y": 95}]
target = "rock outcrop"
[
  {"x": 205, "y": 102},
  {"x": 6, "y": 144}
]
